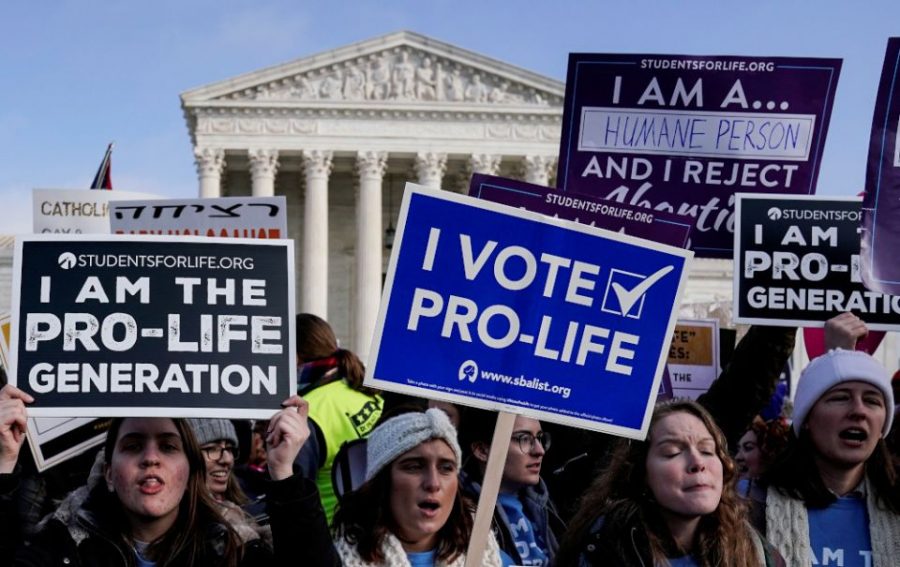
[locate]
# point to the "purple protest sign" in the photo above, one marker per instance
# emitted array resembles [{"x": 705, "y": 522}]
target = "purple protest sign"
[
  {"x": 881, "y": 202},
  {"x": 664, "y": 228},
  {"x": 683, "y": 133}
]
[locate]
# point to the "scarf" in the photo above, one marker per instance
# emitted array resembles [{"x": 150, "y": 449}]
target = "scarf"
[
  {"x": 787, "y": 528},
  {"x": 395, "y": 556}
]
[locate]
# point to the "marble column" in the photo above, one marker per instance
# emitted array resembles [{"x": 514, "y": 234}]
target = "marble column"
[
  {"x": 487, "y": 164},
  {"x": 314, "y": 284},
  {"x": 210, "y": 165},
  {"x": 263, "y": 167},
  {"x": 537, "y": 169},
  {"x": 430, "y": 168},
  {"x": 370, "y": 166}
]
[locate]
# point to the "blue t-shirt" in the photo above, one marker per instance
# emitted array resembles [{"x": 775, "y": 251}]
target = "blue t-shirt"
[
  {"x": 839, "y": 534},
  {"x": 421, "y": 558},
  {"x": 139, "y": 560},
  {"x": 528, "y": 545},
  {"x": 686, "y": 561}
]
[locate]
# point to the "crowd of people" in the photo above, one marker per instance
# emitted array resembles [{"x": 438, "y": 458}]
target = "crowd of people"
[{"x": 715, "y": 483}]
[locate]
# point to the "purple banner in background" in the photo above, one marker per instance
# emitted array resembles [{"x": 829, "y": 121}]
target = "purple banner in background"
[
  {"x": 880, "y": 223},
  {"x": 664, "y": 228},
  {"x": 683, "y": 133}
]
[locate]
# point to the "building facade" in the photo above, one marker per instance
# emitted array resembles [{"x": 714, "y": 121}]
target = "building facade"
[{"x": 341, "y": 132}]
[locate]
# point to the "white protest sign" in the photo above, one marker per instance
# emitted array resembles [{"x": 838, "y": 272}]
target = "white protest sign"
[
  {"x": 76, "y": 211},
  {"x": 54, "y": 439},
  {"x": 694, "y": 356},
  {"x": 237, "y": 217}
]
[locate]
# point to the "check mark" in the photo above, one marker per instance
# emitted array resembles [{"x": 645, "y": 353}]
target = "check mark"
[{"x": 627, "y": 299}]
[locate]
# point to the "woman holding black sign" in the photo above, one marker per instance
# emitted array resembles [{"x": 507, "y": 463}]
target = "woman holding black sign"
[{"x": 151, "y": 506}]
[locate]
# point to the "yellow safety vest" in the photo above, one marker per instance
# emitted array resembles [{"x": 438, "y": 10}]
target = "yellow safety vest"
[{"x": 342, "y": 414}]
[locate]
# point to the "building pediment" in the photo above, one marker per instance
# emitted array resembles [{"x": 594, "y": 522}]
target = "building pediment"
[{"x": 400, "y": 69}]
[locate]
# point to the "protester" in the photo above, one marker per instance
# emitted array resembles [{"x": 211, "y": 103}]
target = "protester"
[
  {"x": 218, "y": 442},
  {"x": 340, "y": 407},
  {"x": 741, "y": 391},
  {"x": 835, "y": 492},
  {"x": 409, "y": 511},
  {"x": 526, "y": 523},
  {"x": 151, "y": 505},
  {"x": 669, "y": 500},
  {"x": 251, "y": 474},
  {"x": 759, "y": 447}
]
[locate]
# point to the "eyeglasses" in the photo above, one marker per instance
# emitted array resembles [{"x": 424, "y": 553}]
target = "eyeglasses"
[
  {"x": 215, "y": 452},
  {"x": 526, "y": 440}
]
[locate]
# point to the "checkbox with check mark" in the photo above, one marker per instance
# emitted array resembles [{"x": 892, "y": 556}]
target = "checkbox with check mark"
[{"x": 626, "y": 291}]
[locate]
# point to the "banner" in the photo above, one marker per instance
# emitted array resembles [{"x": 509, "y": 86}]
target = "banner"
[
  {"x": 236, "y": 217},
  {"x": 796, "y": 263},
  {"x": 653, "y": 225},
  {"x": 694, "y": 357},
  {"x": 75, "y": 211},
  {"x": 153, "y": 326},
  {"x": 682, "y": 134},
  {"x": 506, "y": 309},
  {"x": 881, "y": 203}
]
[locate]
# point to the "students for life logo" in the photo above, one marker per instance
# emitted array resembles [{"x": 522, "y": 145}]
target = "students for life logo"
[{"x": 67, "y": 260}]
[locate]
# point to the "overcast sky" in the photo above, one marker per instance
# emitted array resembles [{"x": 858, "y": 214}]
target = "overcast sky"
[{"x": 75, "y": 75}]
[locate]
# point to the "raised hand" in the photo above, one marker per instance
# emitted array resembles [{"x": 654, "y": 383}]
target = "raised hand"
[{"x": 288, "y": 431}]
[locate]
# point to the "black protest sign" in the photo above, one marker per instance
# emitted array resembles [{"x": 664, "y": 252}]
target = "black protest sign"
[
  {"x": 796, "y": 263},
  {"x": 153, "y": 326}
]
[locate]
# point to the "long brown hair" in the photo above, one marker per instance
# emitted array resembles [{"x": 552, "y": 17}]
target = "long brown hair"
[
  {"x": 363, "y": 518},
  {"x": 316, "y": 341},
  {"x": 186, "y": 542},
  {"x": 620, "y": 494}
]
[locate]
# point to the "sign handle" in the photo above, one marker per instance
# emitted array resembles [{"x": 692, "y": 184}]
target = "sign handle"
[{"x": 490, "y": 487}]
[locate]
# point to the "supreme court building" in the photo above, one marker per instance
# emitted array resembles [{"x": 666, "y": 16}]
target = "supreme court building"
[{"x": 340, "y": 133}]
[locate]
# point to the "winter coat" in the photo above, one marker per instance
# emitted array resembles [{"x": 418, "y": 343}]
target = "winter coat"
[
  {"x": 81, "y": 534},
  {"x": 600, "y": 548},
  {"x": 747, "y": 382}
]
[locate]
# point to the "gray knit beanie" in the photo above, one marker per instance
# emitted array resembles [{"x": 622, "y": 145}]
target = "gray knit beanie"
[
  {"x": 209, "y": 430},
  {"x": 402, "y": 433}
]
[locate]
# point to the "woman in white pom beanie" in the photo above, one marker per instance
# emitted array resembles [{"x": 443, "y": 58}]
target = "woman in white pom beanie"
[
  {"x": 409, "y": 511},
  {"x": 834, "y": 492}
]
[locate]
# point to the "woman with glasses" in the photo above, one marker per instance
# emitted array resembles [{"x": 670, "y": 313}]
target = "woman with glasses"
[
  {"x": 526, "y": 522},
  {"x": 218, "y": 443}
]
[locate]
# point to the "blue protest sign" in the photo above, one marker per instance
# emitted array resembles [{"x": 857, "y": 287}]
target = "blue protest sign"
[{"x": 508, "y": 309}]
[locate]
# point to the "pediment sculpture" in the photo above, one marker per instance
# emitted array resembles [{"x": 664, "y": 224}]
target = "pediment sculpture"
[{"x": 399, "y": 74}]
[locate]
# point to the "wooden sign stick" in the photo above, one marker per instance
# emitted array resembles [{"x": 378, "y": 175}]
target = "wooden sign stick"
[{"x": 490, "y": 487}]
